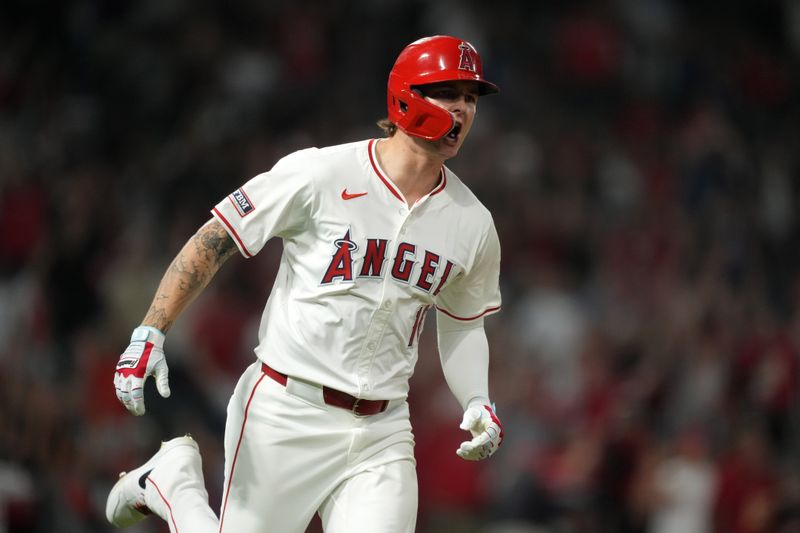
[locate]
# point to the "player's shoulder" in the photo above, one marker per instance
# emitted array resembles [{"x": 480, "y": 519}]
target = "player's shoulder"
[
  {"x": 316, "y": 160},
  {"x": 327, "y": 152},
  {"x": 462, "y": 198},
  {"x": 344, "y": 149}
]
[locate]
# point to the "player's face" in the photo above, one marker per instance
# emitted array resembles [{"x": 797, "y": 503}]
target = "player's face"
[{"x": 460, "y": 98}]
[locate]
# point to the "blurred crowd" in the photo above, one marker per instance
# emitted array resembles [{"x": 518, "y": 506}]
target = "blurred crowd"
[{"x": 642, "y": 167}]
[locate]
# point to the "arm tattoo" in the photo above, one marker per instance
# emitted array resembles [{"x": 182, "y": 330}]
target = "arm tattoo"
[
  {"x": 214, "y": 243},
  {"x": 189, "y": 273}
]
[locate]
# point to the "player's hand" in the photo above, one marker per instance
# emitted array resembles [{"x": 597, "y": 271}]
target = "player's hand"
[
  {"x": 144, "y": 357},
  {"x": 487, "y": 432}
]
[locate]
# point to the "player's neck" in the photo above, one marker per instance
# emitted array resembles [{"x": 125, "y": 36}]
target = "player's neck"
[{"x": 414, "y": 169}]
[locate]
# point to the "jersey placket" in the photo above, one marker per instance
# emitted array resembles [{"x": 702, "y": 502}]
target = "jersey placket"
[{"x": 381, "y": 317}]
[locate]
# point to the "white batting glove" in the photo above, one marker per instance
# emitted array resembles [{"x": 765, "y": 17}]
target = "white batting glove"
[
  {"x": 144, "y": 357},
  {"x": 487, "y": 433}
]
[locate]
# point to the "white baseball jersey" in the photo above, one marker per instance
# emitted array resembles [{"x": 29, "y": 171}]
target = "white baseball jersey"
[{"x": 360, "y": 269}]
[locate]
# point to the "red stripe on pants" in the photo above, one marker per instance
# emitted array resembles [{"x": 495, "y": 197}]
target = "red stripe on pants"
[{"x": 236, "y": 453}]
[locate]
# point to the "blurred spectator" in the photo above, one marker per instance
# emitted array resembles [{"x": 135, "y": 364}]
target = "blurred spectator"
[
  {"x": 682, "y": 487},
  {"x": 746, "y": 495}
]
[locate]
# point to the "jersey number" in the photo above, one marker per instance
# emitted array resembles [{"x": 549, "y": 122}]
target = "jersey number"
[{"x": 416, "y": 331}]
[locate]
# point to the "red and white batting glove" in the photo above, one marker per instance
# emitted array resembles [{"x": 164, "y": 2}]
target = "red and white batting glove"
[
  {"x": 487, "y": 432},
  {"x": 144, "y": 357}
]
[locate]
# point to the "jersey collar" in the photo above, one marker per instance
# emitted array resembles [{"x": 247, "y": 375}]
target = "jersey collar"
[{"x": 373, "y": 159}]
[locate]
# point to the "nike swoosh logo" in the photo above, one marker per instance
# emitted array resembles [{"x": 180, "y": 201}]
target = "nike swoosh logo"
[{"x": 348, "y": 196}]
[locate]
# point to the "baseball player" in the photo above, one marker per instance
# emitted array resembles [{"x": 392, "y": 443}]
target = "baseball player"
[{"x": 375, "y": 234}]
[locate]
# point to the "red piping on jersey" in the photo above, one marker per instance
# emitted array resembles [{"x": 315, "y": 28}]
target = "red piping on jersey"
[
  {"x": 236, "y": 453},
  {"x": 451, "y": 315},
  {"x": 442, "y": 183},
  {"x": 233, "y": 231},
  {"x": 372, "y": 144},
  {"x": 380, "y": 174},
  {"x": 169, "y": 507}
]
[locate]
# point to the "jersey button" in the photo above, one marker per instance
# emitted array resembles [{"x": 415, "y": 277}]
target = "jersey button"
[
  {"x": 387, "y": 305},
  {"x": 371, "y": 346}
]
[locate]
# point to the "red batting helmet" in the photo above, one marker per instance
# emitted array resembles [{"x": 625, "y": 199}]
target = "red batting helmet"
[{"x": 431, "y": 60}]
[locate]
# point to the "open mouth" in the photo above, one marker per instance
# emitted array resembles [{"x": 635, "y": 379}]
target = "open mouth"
[{"x": 453, "y": 135}]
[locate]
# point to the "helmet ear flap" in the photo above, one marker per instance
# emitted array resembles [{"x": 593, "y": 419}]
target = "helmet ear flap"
[{"x": 418, "y": 117}]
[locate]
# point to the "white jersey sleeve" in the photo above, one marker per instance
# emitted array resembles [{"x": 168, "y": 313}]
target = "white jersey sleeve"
[
  {"x": 476, "y": 291},
  {"x": 274, "y": 203}
]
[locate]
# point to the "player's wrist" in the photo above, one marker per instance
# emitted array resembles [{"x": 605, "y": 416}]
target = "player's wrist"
[
  {"x": 148, "y": 334},
  {"x": 480, "y": 400}
]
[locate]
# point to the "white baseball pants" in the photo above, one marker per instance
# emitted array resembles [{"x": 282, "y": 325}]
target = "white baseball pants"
[{"x": 288, "y": 456}]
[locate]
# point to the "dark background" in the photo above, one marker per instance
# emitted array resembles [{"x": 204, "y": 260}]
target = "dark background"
[{"x": 642, "y": 166}]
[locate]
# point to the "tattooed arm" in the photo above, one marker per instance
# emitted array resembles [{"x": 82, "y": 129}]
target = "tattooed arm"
[{"x": 189, "y": 273}]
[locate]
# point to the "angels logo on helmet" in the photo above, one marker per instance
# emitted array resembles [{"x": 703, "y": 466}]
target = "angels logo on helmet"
[{"x": 467, "y": 62}]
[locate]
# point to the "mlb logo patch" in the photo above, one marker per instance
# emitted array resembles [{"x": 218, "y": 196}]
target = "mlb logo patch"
[{"x": 241, "y": 202}]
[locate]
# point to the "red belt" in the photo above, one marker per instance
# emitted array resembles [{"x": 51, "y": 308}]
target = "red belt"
[{"x": 336, "y": 398}]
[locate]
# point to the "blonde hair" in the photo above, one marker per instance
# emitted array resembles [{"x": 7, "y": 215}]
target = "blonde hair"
[{"x": 389, "y": 128}]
